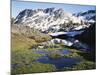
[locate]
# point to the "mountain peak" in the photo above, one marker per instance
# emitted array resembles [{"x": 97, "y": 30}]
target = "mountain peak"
[
  {"x": 26, "y": 12},
  {"x": 52, "y": 20},
  {"x": 48, "y": 10}
]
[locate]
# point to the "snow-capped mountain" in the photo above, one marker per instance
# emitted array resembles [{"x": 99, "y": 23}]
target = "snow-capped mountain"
[
  {"x": 89, "y": 16},
  {"x": 52, "y": 20}
]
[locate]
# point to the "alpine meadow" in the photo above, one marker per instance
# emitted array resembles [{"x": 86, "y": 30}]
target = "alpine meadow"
[{"x": 52, "y": 37}]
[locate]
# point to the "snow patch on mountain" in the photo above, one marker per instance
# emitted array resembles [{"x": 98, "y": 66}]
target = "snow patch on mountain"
[
  {"x": 89, "y": 16},
  {"x": 53, "y": 20}
]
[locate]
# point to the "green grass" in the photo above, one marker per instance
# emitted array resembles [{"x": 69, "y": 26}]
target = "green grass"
[
  {"x": 20, "y": 42},
  {"x": 23, "y": 62},
  {"x": 73, "y": 55},
  {"x": 33, "y": 68},
  {"x": 83, "y": 65},
  {"x": 22, "y": 57},
  {"x": 54, "y": 55},
  {"x": 61, "y": 47}
]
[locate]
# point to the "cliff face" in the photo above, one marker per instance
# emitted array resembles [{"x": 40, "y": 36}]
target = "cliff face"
[{"x": 54, "y": 20}]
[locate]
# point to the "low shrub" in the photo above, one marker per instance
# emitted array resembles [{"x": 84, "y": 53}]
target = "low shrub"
[
  {"x": 83, "y": 65},
  {"x": 54, "y": 55},
  {"x": 33, "y": 68},
  {"x": 72, "y": 55}
]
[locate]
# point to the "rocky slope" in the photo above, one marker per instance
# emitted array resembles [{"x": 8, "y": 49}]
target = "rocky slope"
[
  {"x": 65, "y": 28},
  {"x": 89, "y": 16},
  {"x": 54, "y": 20},
  {"x": 24, "y": 32}
]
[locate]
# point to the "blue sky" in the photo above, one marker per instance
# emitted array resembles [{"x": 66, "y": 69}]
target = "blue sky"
[{"x": 18, "y": 6}]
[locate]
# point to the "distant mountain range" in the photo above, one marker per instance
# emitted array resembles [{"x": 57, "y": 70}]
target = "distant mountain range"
[
  {"x": 89, "y": 15},
  {"x": 55, "y": 20}
]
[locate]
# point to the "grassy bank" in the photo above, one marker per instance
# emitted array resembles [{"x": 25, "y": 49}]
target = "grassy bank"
[
  {"x": 83, "y": 65},
  {"x": 22, "y": 57},
  {"x": 23, "y": 62}
]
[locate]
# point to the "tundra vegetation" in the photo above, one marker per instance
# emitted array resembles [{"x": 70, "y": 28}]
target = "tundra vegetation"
[
  {"x": 22, "y": 56},
  {"x": 27, "y": 41}
]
